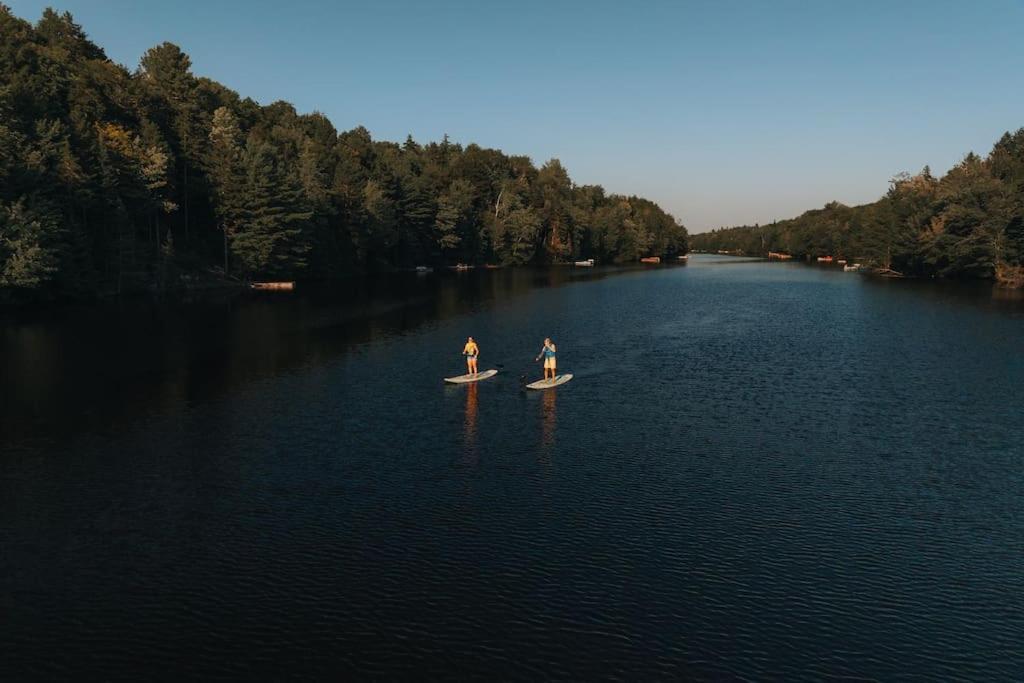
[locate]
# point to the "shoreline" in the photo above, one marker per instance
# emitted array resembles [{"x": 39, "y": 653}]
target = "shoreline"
[
  {"x": 1014, "y": 283},
  {"x": 199, "y": 288},
  {"x": 210, "y": 284}
]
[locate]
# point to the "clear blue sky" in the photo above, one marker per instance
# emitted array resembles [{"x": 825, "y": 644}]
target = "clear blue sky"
[{"x": 723, "y": 112}]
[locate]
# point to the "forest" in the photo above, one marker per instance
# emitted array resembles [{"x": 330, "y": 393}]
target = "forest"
[
  {"x": 113, "y": 181},
  {"x": 967, "y": 224}
]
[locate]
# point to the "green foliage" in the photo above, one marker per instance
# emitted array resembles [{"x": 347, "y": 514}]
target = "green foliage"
[
  {"x": 112, "y": 180},
  {"x": 273, "y": 238},
  {"x": 454, "y": 215},
  {"x": 28, "y": 240},
  {"x": 969, "y": 223},
  {"x": 227, "y": 175},
  {"x": 516, "y": 235}
]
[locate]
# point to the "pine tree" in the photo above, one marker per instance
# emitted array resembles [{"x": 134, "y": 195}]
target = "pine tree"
[
  {"x": 274, "y": 239},
  {"x": 227, "y": 175},
  {"x": 418, "y": 210},
  {"x": 166, "y": 69}
]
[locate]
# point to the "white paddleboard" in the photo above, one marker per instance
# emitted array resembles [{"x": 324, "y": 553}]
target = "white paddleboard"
[
  {"x": 548, "y": 383},
  {"x": 463, "y": 379}
]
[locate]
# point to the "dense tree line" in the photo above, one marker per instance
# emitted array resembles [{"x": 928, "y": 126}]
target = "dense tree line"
[
  {"x": 113, "y": 180},
  {"x": 969, "y": 223}
]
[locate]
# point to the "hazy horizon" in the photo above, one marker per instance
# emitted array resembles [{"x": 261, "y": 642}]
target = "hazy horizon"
[{"x": 723, "y": 113}]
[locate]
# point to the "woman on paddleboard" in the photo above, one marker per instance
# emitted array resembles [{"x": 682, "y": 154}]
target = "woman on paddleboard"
[
  {"x": 548, "y": 354},
  {"x": 471, "y": 351}
]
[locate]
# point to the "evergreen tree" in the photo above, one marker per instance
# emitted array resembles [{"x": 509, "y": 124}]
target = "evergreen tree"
[
  {"x": 274, "y": 239},
  {"x": 28, "y": 251},
  {"x": 166, "y": 70},
  {"x": 227, "y": 175}
]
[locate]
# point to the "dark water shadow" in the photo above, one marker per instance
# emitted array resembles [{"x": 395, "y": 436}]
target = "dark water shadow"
[{"x": 70, "y": 369}]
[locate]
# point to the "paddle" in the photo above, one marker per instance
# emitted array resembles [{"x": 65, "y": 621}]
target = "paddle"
[{"x": 522, "y": 378}]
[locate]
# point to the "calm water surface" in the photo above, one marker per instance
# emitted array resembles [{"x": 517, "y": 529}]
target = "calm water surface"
[{"x": 760, "y": 471}]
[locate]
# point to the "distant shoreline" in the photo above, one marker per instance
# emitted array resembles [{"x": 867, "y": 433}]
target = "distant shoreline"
[{"x": 872, "y": 270}]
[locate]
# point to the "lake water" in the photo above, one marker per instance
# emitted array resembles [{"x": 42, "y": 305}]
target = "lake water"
[{"x": 760, "y": 471}]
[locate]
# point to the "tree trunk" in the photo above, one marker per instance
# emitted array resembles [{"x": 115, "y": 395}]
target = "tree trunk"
[
  {"x": 120, "y": 255},
  {"x": 184, "y": 201}
]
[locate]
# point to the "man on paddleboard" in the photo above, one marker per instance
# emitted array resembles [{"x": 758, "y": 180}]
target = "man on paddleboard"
[
  {"x": 471, "y": 351},
  {"x": 548, "y": 354}
]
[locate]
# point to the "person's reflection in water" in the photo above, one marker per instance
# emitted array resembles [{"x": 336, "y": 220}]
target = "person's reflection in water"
[
  {"x": 469, "y": 426},
  {"x": 548, "y": 417}
]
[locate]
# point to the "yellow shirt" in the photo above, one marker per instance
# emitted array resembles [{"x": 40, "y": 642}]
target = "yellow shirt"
[{"x": 471, "y": 349}]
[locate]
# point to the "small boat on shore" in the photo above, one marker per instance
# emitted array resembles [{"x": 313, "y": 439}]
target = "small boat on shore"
[
  {"x": 461, "y": 266},
  {"x": 424, "y": 269},
  {"x": 683, "y": 257},
  {"x": 851, "y": 268},
  {"x": 272, "y": 286},
  {"x": 824, "y": 259},
  {"x": 651, "y": 259},
  {"x": 589, "y": 263}
]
